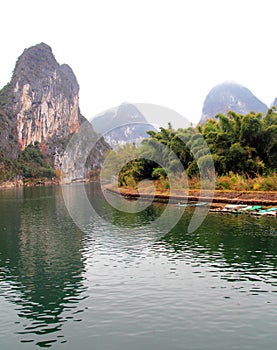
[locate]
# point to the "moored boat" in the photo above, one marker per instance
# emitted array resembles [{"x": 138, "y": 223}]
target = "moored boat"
[{"x": 247, "y": 209}]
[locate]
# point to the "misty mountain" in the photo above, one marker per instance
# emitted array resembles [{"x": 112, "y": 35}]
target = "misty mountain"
[
  {"x": 274, "y": 102},
  {"x": 125, "y": 124},
  {"x": 230, "y": 96}
]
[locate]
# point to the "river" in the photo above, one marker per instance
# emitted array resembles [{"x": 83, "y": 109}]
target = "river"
[{"x": 124, "y": 286}]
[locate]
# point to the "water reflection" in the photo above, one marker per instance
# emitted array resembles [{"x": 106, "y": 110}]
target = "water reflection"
[
  {"x": 139, "y": 284},
  {"x": 133, "y": 213},
  {"x": 233, "y": 248},
  {"x": 41, "y": 262}
]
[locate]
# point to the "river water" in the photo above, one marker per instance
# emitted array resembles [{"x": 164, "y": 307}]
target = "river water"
[{"x": 125, "y": 287}]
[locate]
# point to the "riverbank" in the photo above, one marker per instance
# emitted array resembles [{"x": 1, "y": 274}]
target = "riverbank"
[
  {"x": 29, "y": 183},
  {"x": 217, "y": 198},
  {"x": 11, "y": 184}
]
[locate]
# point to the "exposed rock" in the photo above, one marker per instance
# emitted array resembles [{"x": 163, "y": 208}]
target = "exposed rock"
[
  {"x": 41, "y": 103},
  {"x": 230, "y": 96}
]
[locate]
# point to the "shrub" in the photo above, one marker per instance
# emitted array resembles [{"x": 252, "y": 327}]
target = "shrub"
[
  {"x": 159, "y": 173},
  {"x": 167, "y": 185},
  {"x": 256, "y": 187},
  {"x": 224, "y": 183}
]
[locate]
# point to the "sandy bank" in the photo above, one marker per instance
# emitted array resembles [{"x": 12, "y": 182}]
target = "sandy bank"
[{"x": 216, "y": 199}]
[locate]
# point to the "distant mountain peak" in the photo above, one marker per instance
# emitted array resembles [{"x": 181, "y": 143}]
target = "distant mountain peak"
[
  {"x": 125, "y": 124},
  {"x": 274, "y": 103},
  {"x": 230, "y": 95}
]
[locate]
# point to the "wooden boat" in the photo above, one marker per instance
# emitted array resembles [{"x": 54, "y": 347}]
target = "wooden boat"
[
  {"x": 268, "y": 212},
  {"x": 234, "y": 207},
  {"x": 255, "y": 207},
  {"x": 197, "y": 204},
  {"x": 247, "y": 209}
]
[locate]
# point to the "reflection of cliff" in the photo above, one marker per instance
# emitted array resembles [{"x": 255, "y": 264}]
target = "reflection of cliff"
[{"x": 41, "y": 259}]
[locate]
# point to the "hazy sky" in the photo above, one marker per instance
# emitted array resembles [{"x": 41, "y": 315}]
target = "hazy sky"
[{"x": 169, "y": 53}]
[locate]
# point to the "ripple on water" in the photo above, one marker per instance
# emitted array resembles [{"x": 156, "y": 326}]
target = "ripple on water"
[{"x": 132, "y": 289}]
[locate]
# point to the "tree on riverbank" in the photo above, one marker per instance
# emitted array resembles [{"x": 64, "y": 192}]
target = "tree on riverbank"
[{"x": 240, "y": 146}]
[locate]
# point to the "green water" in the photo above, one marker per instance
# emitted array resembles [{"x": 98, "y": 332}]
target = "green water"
[{"x": 129, "y": 288}]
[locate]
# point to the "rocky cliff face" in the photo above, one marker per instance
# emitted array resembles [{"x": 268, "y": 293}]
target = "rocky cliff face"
[
  {"x": 230, "y": 96},
  {"x": 41, "y": 103}
]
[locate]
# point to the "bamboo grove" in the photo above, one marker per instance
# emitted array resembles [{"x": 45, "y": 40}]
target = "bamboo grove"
[{"x": 237, "y": 144}]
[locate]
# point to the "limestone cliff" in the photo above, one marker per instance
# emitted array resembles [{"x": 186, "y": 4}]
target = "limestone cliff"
[{"x": 41, "y": 103}]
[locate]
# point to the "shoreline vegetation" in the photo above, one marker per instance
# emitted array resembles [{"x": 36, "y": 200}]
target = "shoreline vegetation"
[{"x": 235, "y": 154}]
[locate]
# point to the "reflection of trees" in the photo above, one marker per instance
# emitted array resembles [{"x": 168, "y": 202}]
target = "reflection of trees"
[
  {"x": 123, "y": 218},
  {"x": 41, "y": 259},
  {"x": 228, "y": 242},
  {"x": 136, "y": 219}
]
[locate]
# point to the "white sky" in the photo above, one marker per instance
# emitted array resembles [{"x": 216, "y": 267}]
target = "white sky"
[{"x": 170, "y": 53}]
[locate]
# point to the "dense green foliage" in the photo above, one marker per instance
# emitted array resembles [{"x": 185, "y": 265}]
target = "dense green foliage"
[
  {"x": 31, "y": 163},
  {"x": 235, "y": 144},
  {"x": 243, "y": 144}
]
